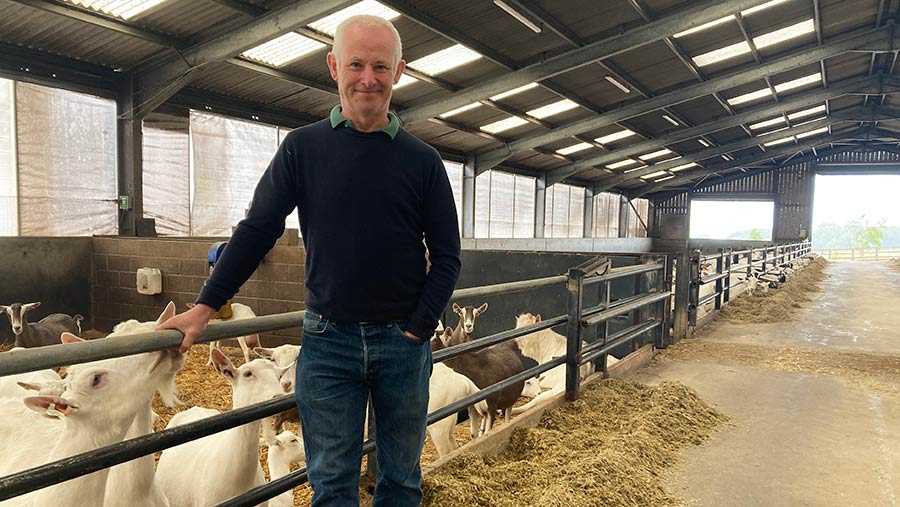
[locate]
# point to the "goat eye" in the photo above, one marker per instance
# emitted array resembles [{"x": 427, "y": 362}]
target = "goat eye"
[
  {"x": 248, "y": 374},
  {"x": 96, "y": 380}
]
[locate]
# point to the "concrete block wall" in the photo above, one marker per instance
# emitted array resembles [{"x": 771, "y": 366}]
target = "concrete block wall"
[{"x": 276, "y": 287}]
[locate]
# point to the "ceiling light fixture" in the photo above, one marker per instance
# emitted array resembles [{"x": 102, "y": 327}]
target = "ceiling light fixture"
[
  {"x": 615, "y": 82},
  {"x": 518, "y": 15}
]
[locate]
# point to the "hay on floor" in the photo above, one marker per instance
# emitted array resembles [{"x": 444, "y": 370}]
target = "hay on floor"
[
  {"x": 608, "y": 448},
  {"x": 777, "y": 305}
]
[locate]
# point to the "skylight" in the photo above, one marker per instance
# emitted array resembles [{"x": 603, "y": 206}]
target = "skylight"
[
  {"x": 444, "y": 60},
  {"x": 785, "y": 34},
  {"x": 405, "y": 79},
  {"x": 552, "y": 109},
  {"x": 812, "y": 133},
  {"x": 768, "y": 123},
  {"x": 664, "y": 179},
  {"x": 656, "y": 154},
  {"x": 615, "y": 136},
  {"x": 568, "y": 150},
  {"x": 807, "y": 112},
  {"x": 682, "y": 167},
  {"x": 329, "y": 24},
  {"x": 505, "y": 124},
  {"x": 746, "y": 12},
  {"x": 776, "y": 142},
  {"x": 283, "y": 49},
  {"x": 657, "y": 174},
  {"x": 751, "y": 96},
  {"x": 797, "y": 83},
  {"x": 458, "y": 110},
  {"x": 624, "y": 163},
  {"x": 763, "y": 41},
  {"x": 510, "y": 93},
  {"x": 125, "y": 9}
]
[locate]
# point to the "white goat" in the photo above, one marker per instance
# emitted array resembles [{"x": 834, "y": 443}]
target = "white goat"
[
  {"x": 134, "y": 483},
  {"x": 98, "y": 406},
  {"x": 285, "y": 357},
  {"x": 212, "y": 469},
  {"x": 445, "y": 387},
  {"x": 45, "y": 382},
  {"x": 238, "y": 312},
  {"x": 287, "y": 449},
  {"x": 543, "y": 346}
]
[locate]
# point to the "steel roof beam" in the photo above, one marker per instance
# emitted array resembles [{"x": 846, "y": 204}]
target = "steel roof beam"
[
  {"x": 867, "y": 84},
  {"x": 638, "y": 37},
  {"x": 162, "y": 81},
  {"x": 874, "y": 40},
  {"x": 778, "y": 152}
]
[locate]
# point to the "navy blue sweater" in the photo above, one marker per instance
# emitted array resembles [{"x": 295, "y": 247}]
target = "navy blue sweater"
[{"x": 366, "y": 202}]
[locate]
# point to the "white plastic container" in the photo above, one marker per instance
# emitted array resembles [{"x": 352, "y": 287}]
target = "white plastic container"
[{"x": 149, "y": 281}]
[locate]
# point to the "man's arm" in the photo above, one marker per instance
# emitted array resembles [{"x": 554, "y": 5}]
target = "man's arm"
[
  {"x": 442, "y": 239},
  {"x": 274, "y": 199}
]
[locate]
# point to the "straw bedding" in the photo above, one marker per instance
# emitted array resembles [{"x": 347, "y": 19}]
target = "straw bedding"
[{"x": 777, "y": 305}]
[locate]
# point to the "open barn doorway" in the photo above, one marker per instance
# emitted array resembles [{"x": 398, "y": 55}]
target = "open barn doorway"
[
  {"x": 731, "y": 219},
  {"x": 856, "y": 216}
]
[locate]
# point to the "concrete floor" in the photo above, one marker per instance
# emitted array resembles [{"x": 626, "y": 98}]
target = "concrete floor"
[{"x": 800, "y": 438}]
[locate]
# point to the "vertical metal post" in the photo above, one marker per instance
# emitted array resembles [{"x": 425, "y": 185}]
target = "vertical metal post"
[
  {"x": 575, "y": 289},
  {"x": 664, "y": 338},
  {"x": 719, "y": 266},
  {"x": 682, "y": 274},
  {"x": 540, "y": 203},
  {"x": 765, "y": 260},
  {"x": 726, "y": 291},
  {"x": 588, "y": 229},
  {"x": 694, "y": 277},
  {"x": 604, "y": 329},
  {"x": 468, "y": 198}
]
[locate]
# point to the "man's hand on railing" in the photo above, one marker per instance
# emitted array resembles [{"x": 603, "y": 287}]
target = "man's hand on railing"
[{"x": 191, "y": 323}]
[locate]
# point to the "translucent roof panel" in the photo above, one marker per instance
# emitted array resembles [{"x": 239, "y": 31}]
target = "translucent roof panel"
[
  {"x": 621, "y": 164},
  {"x": 568, "y": 150},
  {"x": 797, "y": 83},
  {"x": 682, "y": 167},
  {"x": 656, "y": 154},
  {"x": 812, "y": 133},
  {"x": 502, "y": 125},
  {"x": 458, "y": 110},
  {"x": 663, "y": 179},
  {"x": 722, "y": 54},
  {"x": 329, "y": 24},
  {"x": 807, "y": 112},
  {"x": 715, "y": 22},
  {"x": 405, "y": 79},
  {"x": 615, "y": 136},
  {"x": 776, "y": 142},
  {"x": 761, "y": 7},
  {"x": 444, "y": 60},
  {"x": 501, "y": 96},
  {"x": 125, "y": 9},
  {"x": 767, "y": 123},
  {"x": 283, "y": 49},
  {"x": 751, "y": 96},
  {"x": 657, "y": 174},
  {"x": 785, "y": 34},
  {"x": 553, "y": 109}
]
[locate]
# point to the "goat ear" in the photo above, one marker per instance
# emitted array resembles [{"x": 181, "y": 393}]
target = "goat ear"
[
  {"x": 29, "y": 386},
  {"x": 223, "y": 364},
  {"x": 68, "y": 337},
  {"x": 263, "y": 352},
  {"x": 166, "y": 314},
  {"x": 30, "y": 306},
  {"x": 50, "y": 405},
  {"x": 537, "y": 318},
  {"x": 481, "y": 309},
  {"x": 189, "y": 305},
  {"x": 457, "y": 309}
]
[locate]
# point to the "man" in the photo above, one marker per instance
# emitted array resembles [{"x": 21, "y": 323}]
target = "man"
[{"x": 367, "y": 193}]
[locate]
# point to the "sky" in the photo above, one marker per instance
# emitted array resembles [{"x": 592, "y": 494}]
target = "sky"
[{"x": 840, "y": 199}]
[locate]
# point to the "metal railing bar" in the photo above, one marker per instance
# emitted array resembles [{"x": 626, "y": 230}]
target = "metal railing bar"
[
  {"x": 632, "y": 333},
  {"x": 52, "y": 356},
  {"x": 613, "y": 312},
  {"x": 622, "y": 272},
  {"x": 496, "y": 338},
  {"x": 615, "y": 339},
  {"x": 619, "y": 302},
  {"x": 505, "y": 288}
]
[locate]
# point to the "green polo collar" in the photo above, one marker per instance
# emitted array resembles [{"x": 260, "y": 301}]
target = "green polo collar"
[{"x": 337, "y": 121}]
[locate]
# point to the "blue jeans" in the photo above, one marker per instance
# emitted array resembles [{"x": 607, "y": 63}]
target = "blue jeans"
[{"x": 340, "y": 365}]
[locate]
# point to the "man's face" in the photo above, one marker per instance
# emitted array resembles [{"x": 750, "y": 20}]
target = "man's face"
[{"x": 365, "y": 70}]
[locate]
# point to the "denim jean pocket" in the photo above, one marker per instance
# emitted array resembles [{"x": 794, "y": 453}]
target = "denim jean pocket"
[
  {"x": 397, "y": 327},
  {"x": 314, "y": 324}
]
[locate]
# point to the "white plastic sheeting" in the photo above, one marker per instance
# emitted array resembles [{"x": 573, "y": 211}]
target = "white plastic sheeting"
[
  {"x": 167, "y": 197},
  {"x": 66, "y": 151},
  {"x": 9, "y": 224},
  {"x": 455, "y": 174},
  {"x": 229, "y": 156},
  {"x": 606, "y": 215},
  {"x": 504, "y": 205},
  {"x": 564, "y": 212}
]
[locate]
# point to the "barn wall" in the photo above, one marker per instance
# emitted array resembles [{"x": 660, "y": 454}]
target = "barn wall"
[
  {"x": 275, "y": 287},
  {"x": 54, "y": 271}
]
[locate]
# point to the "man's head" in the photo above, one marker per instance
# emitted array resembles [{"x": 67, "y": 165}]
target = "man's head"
[{"x": 366, "y": 63}]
